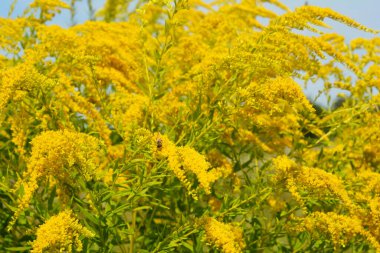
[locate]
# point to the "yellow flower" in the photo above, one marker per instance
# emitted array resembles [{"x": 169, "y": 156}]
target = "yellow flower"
[
  {"x": 214, "y": 204},
  {"x": 226, "y": 237},
  {"x": 49, "y": 8},
  {"x": 312, "y": 180},
  {"x": 60, "y": 233},
  {"x": 340, "y": 228},
  {"x": 63, "y": 155},
  {"x": 17, "y": 81},
  {"x": 127, "y": 111},
  {"x": 272, "y": 96},
  {"x": 182, "y": 160}
]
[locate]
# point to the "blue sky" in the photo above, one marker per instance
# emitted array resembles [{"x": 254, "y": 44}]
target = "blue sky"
[{"x": 365, "y": 12}]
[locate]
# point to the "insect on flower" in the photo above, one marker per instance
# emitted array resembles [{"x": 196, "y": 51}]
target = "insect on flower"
[{"x": 159, "y": 144}]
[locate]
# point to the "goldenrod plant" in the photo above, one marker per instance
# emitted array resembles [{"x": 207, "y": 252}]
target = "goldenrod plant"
[{"x": 181, "y": 126}]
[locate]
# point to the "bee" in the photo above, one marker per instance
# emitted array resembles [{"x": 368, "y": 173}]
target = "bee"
[{"x": 159, "y": 144}]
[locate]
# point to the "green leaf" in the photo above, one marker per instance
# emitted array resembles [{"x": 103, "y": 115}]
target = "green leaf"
[
  {"x": 51, "y": 198},
  {"x": 142, "y": 208},
  {"x": 12, "y": 208},
  {"x": 88, "y": 215},
  {"x": 18, "y": 248},
  {"x": 119, "y": 209},
  {"x": 188, "y": 246}
]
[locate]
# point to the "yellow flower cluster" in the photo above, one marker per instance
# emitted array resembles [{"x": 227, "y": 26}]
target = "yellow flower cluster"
[
  {"x": 220, "y": 162},
  {"x": 359, "y": 195},
  {"x": 213, "y": 78},
  {"x": 17, "y": 81},
  {"x": 60, "y": 233},
  {"x": 127, "y": 111},
  {"x": 304, "y": 15},
  {"x": 366, "y": 188},
  {"x": 11, "y": 32},
  {"x": 182, "y": 160},
  {"x": 112, "y": 10},
  {"x": 311, "y": 180},
  {"x": 368, "y": 182},
  {"x": 272, "y": 96},
  {"x": 48, "y": 8},
  {"x": 226, "y": 237},
  {"x": 273, "y": 107},
  {"x": 20, "y": 130},
  {"x": 357, "y": 141},
  {"x": 340, "y": 228},
  {"x": 62, "y": 155},
  {"x": 54, "y": 152}
]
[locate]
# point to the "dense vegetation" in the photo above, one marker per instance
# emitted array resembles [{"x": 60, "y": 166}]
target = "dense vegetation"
[{"x": 181, "y": 126}]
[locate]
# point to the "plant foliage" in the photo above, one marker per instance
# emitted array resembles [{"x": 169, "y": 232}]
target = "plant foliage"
[{"x": 179, "y": 126}]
